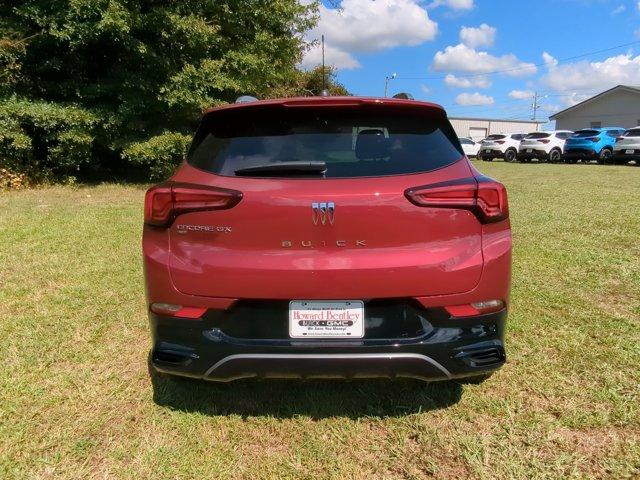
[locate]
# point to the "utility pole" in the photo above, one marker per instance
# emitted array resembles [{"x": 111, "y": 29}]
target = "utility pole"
[
  {"x": 386, "y": 82},
  {"x": 536, "y": 103},
  {"x": 324, "y": 73}
]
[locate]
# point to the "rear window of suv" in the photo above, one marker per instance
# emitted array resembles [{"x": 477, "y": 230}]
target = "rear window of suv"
[
  {"x": 536, "y": 135},
  {"x": 351, "y": 142},
  {"x": 586, "y": 133},
  {"x": 496, "y": 137},
  {"x": 635, "y": 132}
]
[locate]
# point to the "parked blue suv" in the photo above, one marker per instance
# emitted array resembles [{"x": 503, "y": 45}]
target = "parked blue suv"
[{"x": 591, "y": 144}]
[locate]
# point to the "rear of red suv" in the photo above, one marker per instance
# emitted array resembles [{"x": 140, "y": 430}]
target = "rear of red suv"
[{"x": 327, "y": 237}]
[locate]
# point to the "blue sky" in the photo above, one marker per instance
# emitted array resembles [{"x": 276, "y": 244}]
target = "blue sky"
[{"x": 446, "y": 50}]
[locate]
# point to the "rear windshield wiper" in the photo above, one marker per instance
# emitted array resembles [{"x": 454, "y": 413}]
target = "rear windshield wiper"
[{"x": 283, "y": 168}]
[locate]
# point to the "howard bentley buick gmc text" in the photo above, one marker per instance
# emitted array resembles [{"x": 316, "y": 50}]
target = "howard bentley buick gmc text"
[{"x": 327, "y": 237}]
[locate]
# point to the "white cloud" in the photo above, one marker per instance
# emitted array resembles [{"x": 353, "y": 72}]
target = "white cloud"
[
  {"x": 639, "y": 6},
  {"x": 474, "y": 99},
  {"x": 619, "y": 9},
  {"x": 549, "y": 60},
  {"x": 366, "y": 26},
  {"x": 483, "y": 36},
  {"x": 521, "y": 94},
  {"x": 461, "y": 58},
  {"x": 551, "y": 108},
  {"x": 575, "y": 98},
  {"x": 468, "y": 82},
  {"x": 332, "y": 56},
  {"x": 637, "y": 33},
  {"x": 584, "y": 75},
  {"x": 453, "y": 4},
  {"x": 424, "y": 88}
]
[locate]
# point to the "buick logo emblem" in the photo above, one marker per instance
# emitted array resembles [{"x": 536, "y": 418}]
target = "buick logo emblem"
[{"x": 323, "y": 213}]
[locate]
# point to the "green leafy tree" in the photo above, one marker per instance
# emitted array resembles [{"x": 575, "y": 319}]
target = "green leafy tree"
[
  {"x": 311, "y": 82},
  {"x": 103, "y": 80}
]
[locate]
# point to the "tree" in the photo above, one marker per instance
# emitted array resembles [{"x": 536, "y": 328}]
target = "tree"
[
  {"x": 311, "y": 82},
  {"x": 94, "y": 81}
]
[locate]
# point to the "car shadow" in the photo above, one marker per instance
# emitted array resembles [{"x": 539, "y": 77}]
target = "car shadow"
[{"x": 313, "y": 398}]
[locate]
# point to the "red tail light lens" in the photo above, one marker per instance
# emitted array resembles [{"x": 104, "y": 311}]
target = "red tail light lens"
[
  {"x": 594, "y": 139},
  {"x": 544, "y": 140},
  {"x": 619, "y": 139},
  {"x": 164, "y": 202},
  {"x": 484, "y": 197},
  {"x": 500, "y": 141}
]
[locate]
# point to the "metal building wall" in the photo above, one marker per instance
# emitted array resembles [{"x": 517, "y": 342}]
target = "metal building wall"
[
  {"x": 471, "y": 127},
  {"x": 617, "y": 109}
]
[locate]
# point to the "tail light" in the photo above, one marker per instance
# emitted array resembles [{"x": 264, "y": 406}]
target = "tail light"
[
  {"x": 594, "y": 139},
  {"x": 544, "y": 140},
  {"x": 164, "y": 202},
  {"x": 500, "y": 141},
  {"x": 483, "y": 196},
  {"x": 619, "y": 139}
]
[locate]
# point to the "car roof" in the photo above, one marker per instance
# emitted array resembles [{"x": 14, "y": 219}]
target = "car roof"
[
  {"x": 298, "y": 102},
  {"x": 601, "y": 129}
]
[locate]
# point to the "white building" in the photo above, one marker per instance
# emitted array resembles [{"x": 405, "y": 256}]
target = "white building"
[
  {"x": 616, "y": 107},
  {"x": 479, "y": 128}
]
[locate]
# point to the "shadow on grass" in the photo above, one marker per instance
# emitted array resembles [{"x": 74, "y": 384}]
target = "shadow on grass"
[{"x": 316, "y": 399}]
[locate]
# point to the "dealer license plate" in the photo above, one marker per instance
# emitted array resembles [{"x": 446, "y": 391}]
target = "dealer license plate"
[{"x": 326, "y": 319}]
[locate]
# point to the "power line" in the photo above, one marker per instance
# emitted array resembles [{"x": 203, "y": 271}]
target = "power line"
[{"x": 523, "y": 67}]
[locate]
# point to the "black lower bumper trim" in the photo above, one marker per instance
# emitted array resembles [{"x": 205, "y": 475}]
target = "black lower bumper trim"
[{"x": 447, "y": 348}]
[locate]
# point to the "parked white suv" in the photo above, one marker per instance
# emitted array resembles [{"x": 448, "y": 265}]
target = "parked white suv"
[
  {"x": 469, "y": 147},
  {"x": 627, "y": 147},
  {"x": 503, "y": 145},
  {"x": 547, "y": 146}
]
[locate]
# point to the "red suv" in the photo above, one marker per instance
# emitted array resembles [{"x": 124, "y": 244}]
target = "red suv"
[{"x": 327, "y": 237}]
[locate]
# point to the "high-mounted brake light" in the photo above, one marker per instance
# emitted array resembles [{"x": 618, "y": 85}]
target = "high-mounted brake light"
[
  {"x": 484, "y": 197},
  {"x": 164, "y": 202}
]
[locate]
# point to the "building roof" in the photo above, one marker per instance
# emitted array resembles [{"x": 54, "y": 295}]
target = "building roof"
[
  {"x": 509, "y": 120},
  {"x": 629, "y": 88}
]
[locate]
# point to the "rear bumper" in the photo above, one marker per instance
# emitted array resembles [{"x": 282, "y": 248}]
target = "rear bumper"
[
  {"x": 533, "y": 154},
  {"x": 622, "y": 155},
  {"x": 446, "y": 348},
  {"x": 491, "y": 153},
  {"x": 581, "y": 153}
]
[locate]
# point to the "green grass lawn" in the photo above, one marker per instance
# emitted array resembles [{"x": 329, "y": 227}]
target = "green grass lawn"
[{"x": 76, "y": 400}]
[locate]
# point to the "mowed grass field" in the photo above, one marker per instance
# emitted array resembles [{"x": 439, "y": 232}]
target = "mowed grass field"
[{"x": 76, "y": 400}]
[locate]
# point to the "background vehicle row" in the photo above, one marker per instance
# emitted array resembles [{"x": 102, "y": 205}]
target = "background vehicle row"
[{"x": 607, "y": 144}]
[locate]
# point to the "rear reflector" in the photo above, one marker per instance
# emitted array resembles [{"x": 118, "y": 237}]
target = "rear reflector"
[
  {"x": 178, "y": 310},
  {"x": 473, "y": 309},
  {"x": 164, "y": 202},
  {"x": 484, "y": 197}
]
